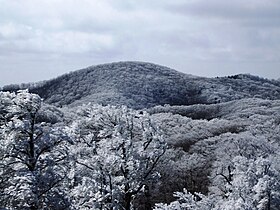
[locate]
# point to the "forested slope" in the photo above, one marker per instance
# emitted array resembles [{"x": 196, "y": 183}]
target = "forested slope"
[
  {"x": 144, "y": 85},
  {"x": 231, "y": 156},
  {"x": 214, "y": 143}
]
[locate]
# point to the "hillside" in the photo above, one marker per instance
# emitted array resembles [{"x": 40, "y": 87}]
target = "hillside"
[
  {"x": 144, "y": 85},
  {"x": 211, "y": 142}
]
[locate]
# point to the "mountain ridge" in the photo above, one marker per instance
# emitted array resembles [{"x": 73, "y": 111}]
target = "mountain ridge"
[{"x": 143, "y": 85}]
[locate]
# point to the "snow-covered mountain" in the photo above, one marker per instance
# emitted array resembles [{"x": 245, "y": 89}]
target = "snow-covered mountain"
[
  {"x": 144, "y": 85},
  {"x": 214, "y": 142}
]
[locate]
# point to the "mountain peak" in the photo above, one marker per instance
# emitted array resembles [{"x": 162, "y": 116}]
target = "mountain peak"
[{"x": 135, "y": 84}]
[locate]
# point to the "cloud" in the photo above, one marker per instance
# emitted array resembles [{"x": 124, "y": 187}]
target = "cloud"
[
  {"x": 253, "y": 10},
  {"x": 41, "y": 35}
]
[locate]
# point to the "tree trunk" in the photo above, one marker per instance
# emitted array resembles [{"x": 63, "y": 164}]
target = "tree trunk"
[
  {"x": 127, "y": 201},
  {"x": 32, "y": 161}
]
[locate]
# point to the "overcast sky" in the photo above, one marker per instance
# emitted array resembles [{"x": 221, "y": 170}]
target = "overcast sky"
[{"x": 43, "y": 39}]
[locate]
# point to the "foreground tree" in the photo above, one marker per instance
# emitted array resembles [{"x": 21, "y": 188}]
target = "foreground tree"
[
  {"x": 33, "y": 155},
  {"x": 116, "y": 153}
]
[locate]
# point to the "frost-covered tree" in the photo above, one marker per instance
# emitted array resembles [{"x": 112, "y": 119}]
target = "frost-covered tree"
[
  {"x": 33, "y": 155},
  {"x": 245, "y": 175},
  {"x": 116, "y": 153},
  {"x": 187, "y": 200},
  {"x": 254, "y": 185}
]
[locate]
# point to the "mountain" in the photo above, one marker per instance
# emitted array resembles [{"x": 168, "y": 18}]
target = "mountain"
[
  {"x": 215, "y": 138},
  {"x": 144, "y": 85}
]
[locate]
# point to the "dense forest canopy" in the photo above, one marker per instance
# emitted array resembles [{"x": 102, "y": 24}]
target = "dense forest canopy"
[
  {"x": 140, "y": 136},
  {"x": 140, "y": 85}
]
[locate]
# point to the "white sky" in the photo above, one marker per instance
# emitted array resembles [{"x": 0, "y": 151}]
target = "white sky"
[{"x": 43, "y": 39}]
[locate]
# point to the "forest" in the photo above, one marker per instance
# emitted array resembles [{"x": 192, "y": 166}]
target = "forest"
[{"x": 88, "y": 153}]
